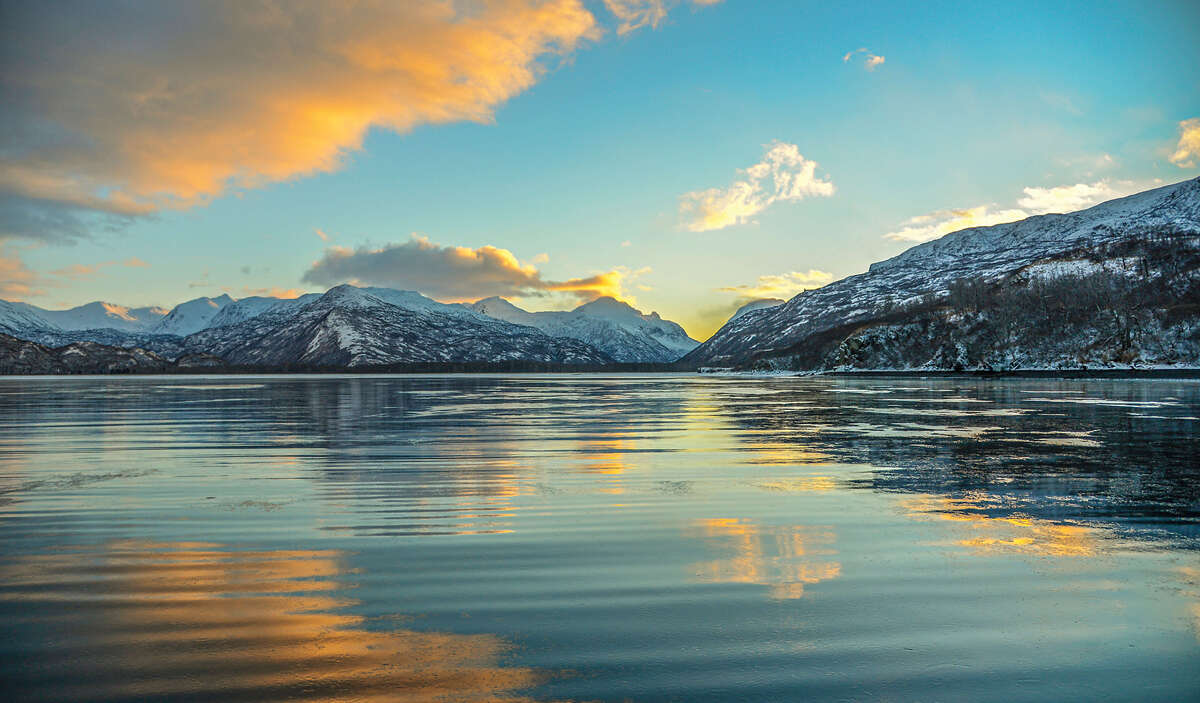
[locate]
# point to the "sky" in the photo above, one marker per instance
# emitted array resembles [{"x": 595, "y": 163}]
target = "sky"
[{"x": 686, "y": 156}]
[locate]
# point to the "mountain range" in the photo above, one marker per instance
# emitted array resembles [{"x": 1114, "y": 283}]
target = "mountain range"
[
  {"x": 354, "y": 327},
  {"x": 1117, "y": 284}
]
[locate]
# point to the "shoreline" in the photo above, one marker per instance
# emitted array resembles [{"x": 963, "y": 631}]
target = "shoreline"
[{"x": 1103, "y": 373}]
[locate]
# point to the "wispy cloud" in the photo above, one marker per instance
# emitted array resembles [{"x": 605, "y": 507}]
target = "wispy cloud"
[
  {"x": 1188, "y": 149},
  {"x": 938, "y": 223},
  {"x": 78, "y": 271},
  {"x": 234, "y": 95},
  {"x": 1036, "y": 201},
  {"x": 635, "y": 14},
  {"x": 705, "y": 320},
  {"x": 870, "y": 61},
  {"x": 273, "y": 292},
  {"x": 783, "y": 174},
  {"x": 453, "y": 273},
  {"x": 321, "y": 233},
  {"x": 17, "y": 282},
  {"x": 780, "y": 285}
]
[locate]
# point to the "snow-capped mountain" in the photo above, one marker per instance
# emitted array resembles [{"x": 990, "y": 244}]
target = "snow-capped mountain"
[
  {"x": 616, "y": 328},
  {"x": 95, "y": 315},
  {"x": 191, "y": 316},
  {"x": 1151, "y": 236},
  {"x": 243, "y": 309},
  {"x": 372, "y": 326},
  {"x": 355, "y": 327}
]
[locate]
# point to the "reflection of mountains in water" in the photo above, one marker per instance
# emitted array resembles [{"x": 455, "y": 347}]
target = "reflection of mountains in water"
[
  {"x": 430, "y": 455},
  {"x": 1053, "y": 451}
]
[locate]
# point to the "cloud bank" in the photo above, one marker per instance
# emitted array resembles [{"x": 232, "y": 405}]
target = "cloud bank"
[
  {"x": 938, "y": 223},
  {"x": 1188, "y": 149},
  {"x": 783, "y": 174},
  {"x": 452, "y": 273},
  {"x": 1037, "y": 201},
  {"x": 151, "y": 105}
]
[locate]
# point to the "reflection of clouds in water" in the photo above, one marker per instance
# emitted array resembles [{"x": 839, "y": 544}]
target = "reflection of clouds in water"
[
  {"x": 986, "y": 534},
  {"x": 198, "y": 620},
  {"x": 801, "y": 484},
  {"x": 1190, "y": 577},
  {"x": 606, "y": 458},
  {"x": 779, "y": 557}
]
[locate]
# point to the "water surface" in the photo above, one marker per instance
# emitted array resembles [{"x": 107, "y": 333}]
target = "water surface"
[{"x": 589, "y": 537}]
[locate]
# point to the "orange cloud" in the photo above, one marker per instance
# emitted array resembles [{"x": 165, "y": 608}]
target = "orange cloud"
[
  {"x": 178, "y": 103},
  {"x": 274, "y": 292},
  {"x": 16, "y": 281},
  {"x": 635, "y": 14},
  {"x": 782, "y": 285},
  {"x": 453, "y": 273},
  {"x": 86, "y": 270}
]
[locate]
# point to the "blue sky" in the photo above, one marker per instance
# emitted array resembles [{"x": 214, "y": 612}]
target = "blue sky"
[{"x": 582, "y": 171}]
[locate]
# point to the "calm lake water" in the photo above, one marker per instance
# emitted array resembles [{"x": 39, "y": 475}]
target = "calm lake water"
[{"x": 590, "y": 537}]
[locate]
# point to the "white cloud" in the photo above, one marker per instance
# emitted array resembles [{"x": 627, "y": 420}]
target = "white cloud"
[
  {"x": 1037, "y": 201},
  {"x": 870, "y": 61},
  {"x": 783, "y": 174},
  {"x": 1188, "y": 149},
  {"x": 321, "y": 233},
  {"x": 1069, "y": 198},
  {"x": 923, "y": 228}
]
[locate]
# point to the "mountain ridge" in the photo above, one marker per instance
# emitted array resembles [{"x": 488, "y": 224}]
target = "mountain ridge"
[{"x": 808, "y": 327}]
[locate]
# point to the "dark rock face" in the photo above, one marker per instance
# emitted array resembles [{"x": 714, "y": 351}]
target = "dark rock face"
[
  {"x": 18, "y": 356},
  {"x": 1136, "y": 257},
  {"x": 165, "y": 345}
]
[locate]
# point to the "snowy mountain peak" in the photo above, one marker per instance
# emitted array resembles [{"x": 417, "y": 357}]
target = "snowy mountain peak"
[
  {"x": 95, "y": 315},
  {"x": 607, "y": 305},
  {"x": 191, "y": 316},
  {"x": 615, "y": 327}
]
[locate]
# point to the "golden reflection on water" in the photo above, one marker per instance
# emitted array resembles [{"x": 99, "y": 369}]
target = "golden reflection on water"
[
  {"x": 199, "y": 619},
  {"x": 1189, "y": 576},
  {"x": 779, "y": 557},
  {"x": 606, "y": 457},
  {"x": 1014, "y": 534},
  {"x": 800, "y": 484}
]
